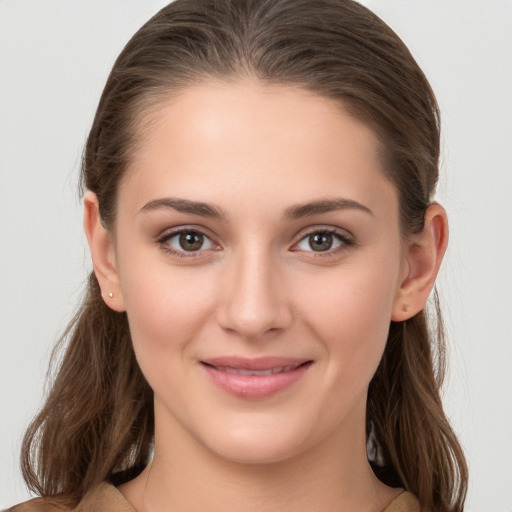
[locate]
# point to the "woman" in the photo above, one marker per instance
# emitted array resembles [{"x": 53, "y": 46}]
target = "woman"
[{"x": 259, "y": 210}]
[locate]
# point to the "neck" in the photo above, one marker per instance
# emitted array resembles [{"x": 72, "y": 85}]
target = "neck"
[{"x": 333, "y": 475}]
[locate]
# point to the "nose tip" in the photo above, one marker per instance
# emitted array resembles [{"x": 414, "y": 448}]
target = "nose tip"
[
  {"x": 252, "y": 321},
  {"x": 255, "y": 303}
]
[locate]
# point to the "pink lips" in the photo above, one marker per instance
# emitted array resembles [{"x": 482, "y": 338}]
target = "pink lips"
[{"x": 255, "y": 378}]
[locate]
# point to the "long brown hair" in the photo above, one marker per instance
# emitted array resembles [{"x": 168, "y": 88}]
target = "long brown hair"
[{"x": 97, "y": 422}]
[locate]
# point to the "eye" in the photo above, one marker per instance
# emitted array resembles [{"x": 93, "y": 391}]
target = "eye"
[
  {"x": 323, "y": 241},
  {"x": 186, "y": 242}
]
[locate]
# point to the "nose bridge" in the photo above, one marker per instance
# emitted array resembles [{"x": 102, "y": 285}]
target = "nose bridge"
[{"x": 254, "y": 300}]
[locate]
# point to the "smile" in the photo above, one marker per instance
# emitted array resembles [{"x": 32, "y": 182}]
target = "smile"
[
  {"x": 270, "y": 371},
  {"x": 255, "y": 378}
]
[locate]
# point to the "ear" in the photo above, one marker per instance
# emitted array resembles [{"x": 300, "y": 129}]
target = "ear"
[
  {"x": 423, "y": 256},
  {"x": 102, "y": 250}
]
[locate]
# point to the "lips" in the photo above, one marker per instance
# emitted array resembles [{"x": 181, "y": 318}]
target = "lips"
[
  {"x": 270, "y": 371},
  {"x": 256, "y": 378}
]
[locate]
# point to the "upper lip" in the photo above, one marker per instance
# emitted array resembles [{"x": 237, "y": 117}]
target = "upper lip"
[{"x": 257, "y": 364}]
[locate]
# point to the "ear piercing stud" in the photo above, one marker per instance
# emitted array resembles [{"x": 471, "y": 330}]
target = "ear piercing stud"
[{"x": 111, "y": 295}]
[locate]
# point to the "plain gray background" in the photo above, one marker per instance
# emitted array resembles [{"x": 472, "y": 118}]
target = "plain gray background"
[{"x": 54, "y": 59}]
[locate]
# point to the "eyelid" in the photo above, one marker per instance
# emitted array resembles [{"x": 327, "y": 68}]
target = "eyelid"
[
  {"x": 345, "y": 237},
  {"x": 169, "y": 233}
]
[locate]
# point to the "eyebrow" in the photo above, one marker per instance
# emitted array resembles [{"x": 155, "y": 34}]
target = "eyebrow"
[
  {"x": 296, "y": 211},
  {"x": 299, "y": 211},
  {"x": 186, "y": 206}
]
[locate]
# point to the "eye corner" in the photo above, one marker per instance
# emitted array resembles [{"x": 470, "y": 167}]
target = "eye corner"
[
  {"x": 172, "y": 241},
  {"x": 334, "y": 240}
]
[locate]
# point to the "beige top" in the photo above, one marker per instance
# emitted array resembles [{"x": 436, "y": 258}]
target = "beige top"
[{"x": 106, "y": 498}]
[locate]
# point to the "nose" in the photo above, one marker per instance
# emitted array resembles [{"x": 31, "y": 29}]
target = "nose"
[{"x": 254, "y": 301}]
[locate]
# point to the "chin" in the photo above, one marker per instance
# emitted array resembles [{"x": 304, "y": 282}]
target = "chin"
[
  {"x": 258, "y": 444},
  {"x": 262, "y": 454}
]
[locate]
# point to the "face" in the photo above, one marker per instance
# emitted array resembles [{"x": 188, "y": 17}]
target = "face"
[{"x": 259, "y": 257}]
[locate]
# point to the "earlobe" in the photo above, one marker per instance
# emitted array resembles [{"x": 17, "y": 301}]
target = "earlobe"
[
  {"x": 424, "y": 255},
  {"x": 103, "y": 255}
]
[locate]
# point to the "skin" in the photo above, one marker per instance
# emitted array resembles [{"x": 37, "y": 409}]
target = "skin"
[{"x": 258, "y": 287}]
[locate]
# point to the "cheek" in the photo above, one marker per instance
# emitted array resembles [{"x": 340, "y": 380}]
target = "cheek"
[
  {"x": 166, "y": 309},
  {"x": 351, "y": 316}
]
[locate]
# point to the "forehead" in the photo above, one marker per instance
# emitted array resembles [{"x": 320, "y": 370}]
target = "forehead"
[{"x": 219, "y": 141}]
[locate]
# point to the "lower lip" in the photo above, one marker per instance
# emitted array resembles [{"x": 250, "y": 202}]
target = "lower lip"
[{"x": 255, "y": 387}]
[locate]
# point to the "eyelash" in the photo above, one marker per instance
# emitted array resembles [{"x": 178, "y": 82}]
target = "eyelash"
[
  {"x": 164, "y": 239},
  {"x": 344, "y": 240}
]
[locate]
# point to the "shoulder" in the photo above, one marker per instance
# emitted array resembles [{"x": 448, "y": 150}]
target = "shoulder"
[
  {"x": 104, "y": 497},
  {"x": 39, "y": 505},
  {"x": 404, "y": 502}
]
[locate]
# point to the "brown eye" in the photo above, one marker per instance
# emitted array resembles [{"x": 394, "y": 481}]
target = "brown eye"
[
  {"x": 320, "y": 242},
  {"x": 191, "y": 240},
  {"x": 186, "y": 241},
  {"x": 323, "y": 241}
]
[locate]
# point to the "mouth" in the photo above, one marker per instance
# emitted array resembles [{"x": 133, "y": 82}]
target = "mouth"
[
  {"x": 270, "y": 371},
  {"x": 255, "y": 378}
]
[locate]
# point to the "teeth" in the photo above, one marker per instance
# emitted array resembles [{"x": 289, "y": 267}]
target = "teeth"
[
  {"x": 270, "y": 371},
  {"x": 252, "y": 372}
]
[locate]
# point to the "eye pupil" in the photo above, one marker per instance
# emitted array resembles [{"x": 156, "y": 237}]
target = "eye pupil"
[
  {"x": 320, "y": 241},
  {"x": 191, "y": 241}
]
